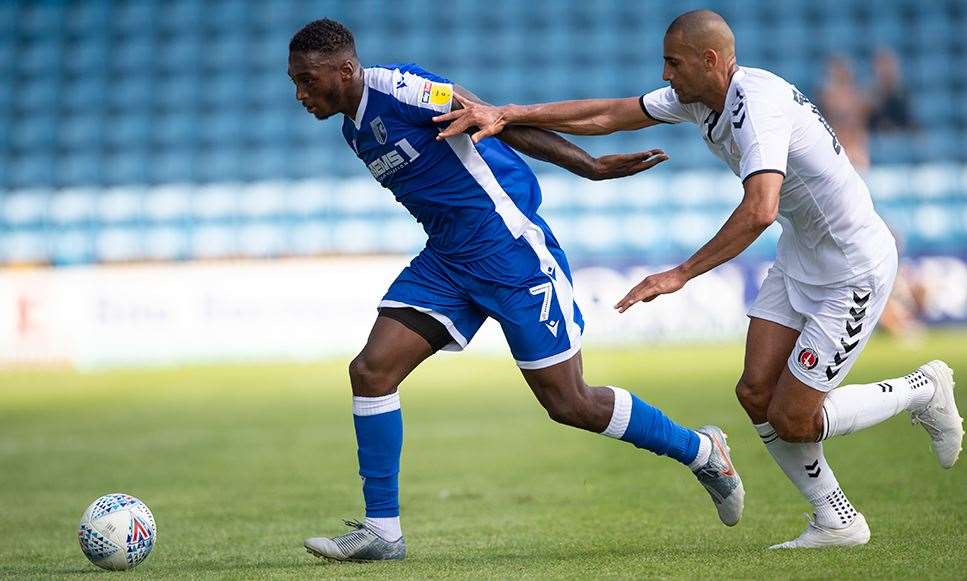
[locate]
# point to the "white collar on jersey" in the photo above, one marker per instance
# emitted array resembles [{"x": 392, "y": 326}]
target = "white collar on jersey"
[
  {"x": 735, "y": 77},
  {"x": 361, "y": 110}
]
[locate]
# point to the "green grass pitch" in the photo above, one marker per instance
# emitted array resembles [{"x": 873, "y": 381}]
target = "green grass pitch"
[{"x": 240, "y": 463}]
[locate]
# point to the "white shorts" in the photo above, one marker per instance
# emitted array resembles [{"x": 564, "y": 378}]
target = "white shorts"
[{"x": 835, "y": 321}]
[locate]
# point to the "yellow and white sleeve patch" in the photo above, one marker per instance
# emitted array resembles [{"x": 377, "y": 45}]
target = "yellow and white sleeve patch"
[
  {"x": 441, "y": 94},
  {"x": 436, "y": 93}
]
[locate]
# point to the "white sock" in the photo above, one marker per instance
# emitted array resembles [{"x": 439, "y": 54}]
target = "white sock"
[
  {"x": 833, "y": 510},
  {"x": 852, "y": 408},
  {"x": 704, "y": 451},
  {"x": 620, "y": 413},
  {"x": 388, "y": 528},
  {"x": 805, "y": 464}
]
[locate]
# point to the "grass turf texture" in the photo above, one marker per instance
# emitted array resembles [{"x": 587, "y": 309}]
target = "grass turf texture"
[{"x": 240, "y": 463}]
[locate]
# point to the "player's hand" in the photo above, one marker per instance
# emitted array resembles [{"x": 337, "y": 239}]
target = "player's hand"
[
  {"x": 662, "y": 283},
  {"x": 626, "y": 164},
  {"x": 486, "y": 118}
]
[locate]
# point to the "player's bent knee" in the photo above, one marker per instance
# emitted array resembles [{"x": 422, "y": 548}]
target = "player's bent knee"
[
  {"x": 791, "y": 427},
  {"x": 560, "y": 414},
  {"x": 755, "y": 399},
  {"x": 368, "y": 380},
  {"x": 561, "y": 410},
  {"x": 577, "y": 411}
]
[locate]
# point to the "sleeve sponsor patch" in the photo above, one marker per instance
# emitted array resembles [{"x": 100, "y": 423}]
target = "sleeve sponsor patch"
[
  {"x": 441, "y": 94},
  {"x": 436, "y": 93}
]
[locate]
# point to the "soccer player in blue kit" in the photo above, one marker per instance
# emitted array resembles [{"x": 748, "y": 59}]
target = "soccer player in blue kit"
[{"x": 488, "y": 254}]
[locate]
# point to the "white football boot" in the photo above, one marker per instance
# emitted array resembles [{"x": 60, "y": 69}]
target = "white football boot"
[
  {"x": 941, "y": 418},
  {"x": 819, "y": 537},
  {"x": 720, "y": 478},
  {"x": 361, "y": 544}
]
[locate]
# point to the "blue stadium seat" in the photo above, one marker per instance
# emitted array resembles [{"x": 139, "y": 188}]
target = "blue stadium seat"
[
  {"x": 224, "y": 50},
  {"x": 224, "y": 91},
  {"x": 87, "y": 55},
  {"x": 269, "y": 52},
  {"x": 25, "y": 209},
  {"x": 5, "y": 123},
  {"x": 182, "y": 17},
  {"x": 221, "y": 127},
  {"x": 133, "y": 18},
  {"x": 933, "y": 109},
  {"x": 7, "y": 97},
  {"x": 129, "y": 165},
  {"x": 7, "y": 52},
  {"x": 73, "y": 207},
  {"x": 271, "y": 89},
  {"x": 81, "y": 131},
  {"x": 30, "y": 171},
  {"x": 9, "y": 15},
  {"x": 179, "y": 93},
  {"x": 88, "y": 18},
  {"x": 138, "y": 56},
  {"x": 176, "y": 130},
  {"x": 118, "y": 244},
  {"x": 213, "y": 241},
  {"x": 942, "y": 145},
  {"x": 79, "y": 167},
  {"x": 40, "y": 19},
  {"x": 885, "y": 147},
  {"x": 168, "y": 204},
  {"x": 37, "y": 132},
  {"x": 120, "y": 206},
  {"x": 181, "y": 53},
  {"x": 221, "y": 164},
  {"x": 165, "y": 243},
  {"x": 72, "y": 246},
  {"x": 37, "y": 94},
  {"x": 173, "y": 165},
  {"x": 25, "y": 245},
  {"x": 134, "y": 93},
  {"x": 265, "y": 160},
  {"x": 88, "y": 94},
  {"x": 129, "y": 130}
]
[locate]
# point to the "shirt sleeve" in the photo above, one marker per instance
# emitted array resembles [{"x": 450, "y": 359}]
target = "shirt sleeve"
[
  {"x": 663, "y": 105},
  {"x": 761, "y": 133},
  {"x": 419, "y": 95}
]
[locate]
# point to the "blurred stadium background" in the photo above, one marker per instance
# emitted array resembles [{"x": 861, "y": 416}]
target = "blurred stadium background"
[{"x": 164, "y": 198}]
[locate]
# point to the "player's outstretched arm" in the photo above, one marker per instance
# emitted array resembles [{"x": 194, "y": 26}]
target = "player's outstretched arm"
[
  {"x": 586, "y": 117},
  {"x": 550, "y": 147},
  {"x": 758, "y": 210}
]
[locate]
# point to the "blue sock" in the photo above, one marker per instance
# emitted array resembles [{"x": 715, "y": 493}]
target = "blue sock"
[
  {"x": 647, "y": 427},
  {"x": 379, "y": 437}
]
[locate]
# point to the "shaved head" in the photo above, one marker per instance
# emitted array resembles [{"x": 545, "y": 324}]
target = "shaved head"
[
  {"x": 699, "y": 57},
  {"x": 704, "y": 29}
]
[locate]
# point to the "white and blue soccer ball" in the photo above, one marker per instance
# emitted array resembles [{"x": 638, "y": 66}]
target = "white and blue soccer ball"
[{"x": 117, "y": 532}]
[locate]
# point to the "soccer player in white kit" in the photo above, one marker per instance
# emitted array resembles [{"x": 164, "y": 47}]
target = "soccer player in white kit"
[{"x": 834, "y": 269}]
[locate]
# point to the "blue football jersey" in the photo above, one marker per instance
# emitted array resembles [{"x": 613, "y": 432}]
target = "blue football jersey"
[{"x": 473, "y": 200}]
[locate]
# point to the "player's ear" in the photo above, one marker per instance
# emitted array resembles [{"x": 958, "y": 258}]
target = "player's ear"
[
  {"x": 347, "y": 70},
  {"x": 710, "y": 58}
]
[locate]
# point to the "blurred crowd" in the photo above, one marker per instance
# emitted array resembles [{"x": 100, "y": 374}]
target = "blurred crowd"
[{"x": 855, "y": 112}]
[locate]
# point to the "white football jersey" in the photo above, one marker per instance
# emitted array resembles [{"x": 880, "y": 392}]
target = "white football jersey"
[{"x": 830, "y": 231}]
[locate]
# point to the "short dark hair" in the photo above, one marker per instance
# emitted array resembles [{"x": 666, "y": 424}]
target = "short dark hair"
[{"x": 325, "y": 36}]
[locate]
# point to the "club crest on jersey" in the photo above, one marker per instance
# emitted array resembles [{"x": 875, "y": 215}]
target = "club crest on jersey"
[
  {"x": 379, "y": 130},
  {"x": 808, "y": 359}
]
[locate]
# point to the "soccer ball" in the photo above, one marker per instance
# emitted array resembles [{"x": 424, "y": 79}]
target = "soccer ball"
[{"x": 117, "y": 532}]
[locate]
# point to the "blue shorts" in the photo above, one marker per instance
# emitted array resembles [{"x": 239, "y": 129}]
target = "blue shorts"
[{"x": 528, "y": 290}]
